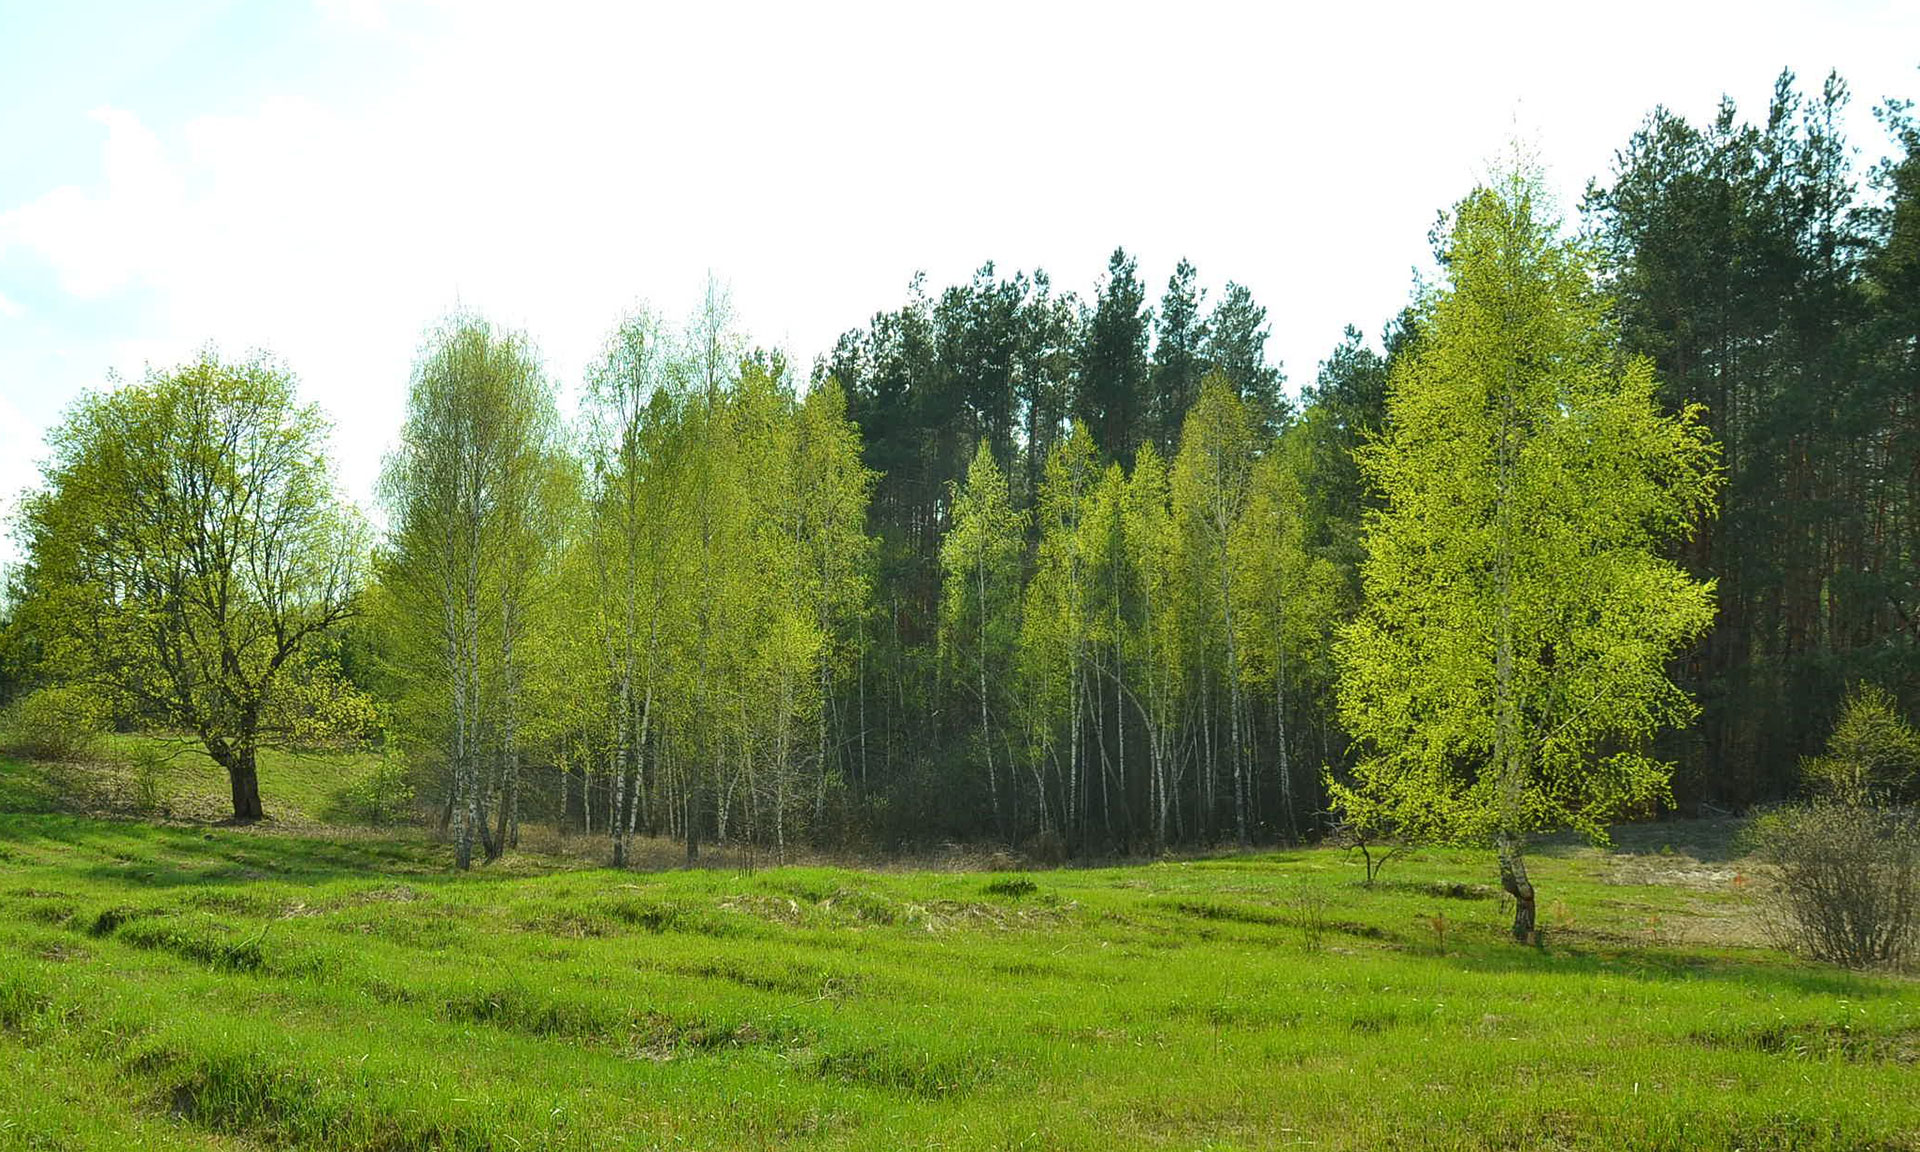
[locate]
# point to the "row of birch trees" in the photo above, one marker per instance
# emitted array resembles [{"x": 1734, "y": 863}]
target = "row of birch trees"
[
  {"x": 663, "y": 602},
  {"x": 1119, "y": 677},
  {"x": 655, "y": 600}
]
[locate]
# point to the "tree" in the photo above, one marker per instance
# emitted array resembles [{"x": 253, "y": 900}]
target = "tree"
[
  {"x": 1053, "y": 631},
  {"x": 462, "y": 493},
  {"x": 636, "y": 511},
  {"x": 1153, "y": 549},
  {"x": 1509, "y": 661},
  {"x": 832, "y": 489},
  {"x": 1738, "y": 255},
  {"x": 1178, "y": 364},
  {"x": 188, "y": 548},
  {"x": 1111, "y": 393},
  {"x": 979, "y": 609},
  {"x": 1210, "y": 483},
  {"x": 1234, "y": 344},
  {"x": 1289, "y": 598}
]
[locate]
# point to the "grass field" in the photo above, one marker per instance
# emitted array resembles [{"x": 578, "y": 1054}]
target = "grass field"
[{"x": 207, "y": 987}]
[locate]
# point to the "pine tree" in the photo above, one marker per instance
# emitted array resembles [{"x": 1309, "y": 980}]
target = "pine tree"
[
  {"x": 1110, "y": 395},
  {"x": 1180, "y": 340}
]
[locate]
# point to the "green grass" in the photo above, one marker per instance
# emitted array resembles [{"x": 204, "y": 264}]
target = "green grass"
[{"x": 233, "y": 988}]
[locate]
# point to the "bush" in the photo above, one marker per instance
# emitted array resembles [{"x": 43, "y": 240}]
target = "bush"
[
  {"x": 1849, "y": 857},
  {"x": 55, "y": 724},
  {"x": 384, "y": 795},
  {"x": 152, "y": 772},
  {"x": 1849, "y": 881}
]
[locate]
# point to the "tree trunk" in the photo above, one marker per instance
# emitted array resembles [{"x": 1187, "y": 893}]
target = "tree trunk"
[
  {"x": 1291, "y": 825},
  {"x": 616, "y": 827},
  {"x": 1513, "y": 877},
  {"x": 986, "y": 736},
  {"x": 244, "y": 778}
]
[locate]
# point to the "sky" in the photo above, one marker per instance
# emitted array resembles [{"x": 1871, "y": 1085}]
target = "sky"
[{"x": 324, "y": 180}]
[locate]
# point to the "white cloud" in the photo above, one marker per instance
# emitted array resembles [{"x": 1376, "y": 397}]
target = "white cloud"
[
  {"x": 9, "y": 309},
  {"x": 370, "y": 14},
  {"x": 100, "y": 240}
]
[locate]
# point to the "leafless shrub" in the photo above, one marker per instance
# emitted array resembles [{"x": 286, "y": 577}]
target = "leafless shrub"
[
  {"x": 1849, "y": 857},
  {"x": 1374, "y": 847},
  {"x": 1307, "y": 908},
  {"x": 1849, "y": 881}
]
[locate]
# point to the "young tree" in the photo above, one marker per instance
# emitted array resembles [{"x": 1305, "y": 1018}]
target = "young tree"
[
  {"x": 462, "y": 492},
  {"x": 1510, "y": 658},
  {"x": 1289, "y": 597},
  {"x": 629, "y": 417},
  {"x": 1153, "y": 551},
  {"x": 187, "y": 547},
  {"x": 1054, "y": 627},
  {"x": 1210, "y": 488},
  {"x": 980, "y": 606}
]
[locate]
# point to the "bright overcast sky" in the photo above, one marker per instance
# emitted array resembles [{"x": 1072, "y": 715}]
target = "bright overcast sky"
[{"x": 323, "y": 181}]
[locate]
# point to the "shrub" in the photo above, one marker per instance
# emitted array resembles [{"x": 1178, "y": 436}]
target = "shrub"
[
  {"x": 1048, "y": 847},
  {"x": 1849, "y": 881},
  {"x": 1848, "y": 858},
  {"x": 384, "y": 794},
  {"x": 59, "y": 723},
  {"x": 152, "y": 772}
]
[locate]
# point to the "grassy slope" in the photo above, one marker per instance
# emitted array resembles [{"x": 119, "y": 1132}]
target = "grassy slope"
[
  {"x": 206, "y": 987},
  {"x": 297, "y": 788}
]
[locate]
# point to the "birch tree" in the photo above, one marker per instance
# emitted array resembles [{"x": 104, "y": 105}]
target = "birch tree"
[
  {"x": 979, "y": 606},
  {"x": 1510, "y": 660},
  {"x": 1288, "y": 601},
  {"x": 459, "y": 492},
  {"x": 1157, "y": 658},
  {"x": 1210, "y": 487}
]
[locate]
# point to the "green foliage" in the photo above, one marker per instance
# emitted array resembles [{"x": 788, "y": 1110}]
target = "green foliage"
[
  {"x": 1873, "y": 755},
  {"x": 57, "y": 723},
  {"x": 980, "y": 603},
  {"x": 153, "y": 777},
  {"x": 1509, "y": 662},
  {"x": 1773, "y": 286},
  {"x": 1113, "y": 366},
  {"x": 383, "y": 793},
  {"x": 1234, "y": 344},
  {"x": 186, "y": 548},
  {"x": 476, "y": 495}
]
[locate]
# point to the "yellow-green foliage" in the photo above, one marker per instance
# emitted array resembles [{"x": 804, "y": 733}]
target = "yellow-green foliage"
[
  {"x": 1510, "y": 660},
  {"x": 1873, "y": 754},
  {"x": 55, "y": 723}
]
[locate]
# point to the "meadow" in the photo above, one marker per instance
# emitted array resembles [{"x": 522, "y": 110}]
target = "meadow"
[{"x": 180, "y": 984}]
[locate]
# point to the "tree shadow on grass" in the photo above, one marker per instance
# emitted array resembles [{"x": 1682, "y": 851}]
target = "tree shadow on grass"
[
  {"x": 146, "y": 855},
  {"x": 1663, "y": 966}
]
